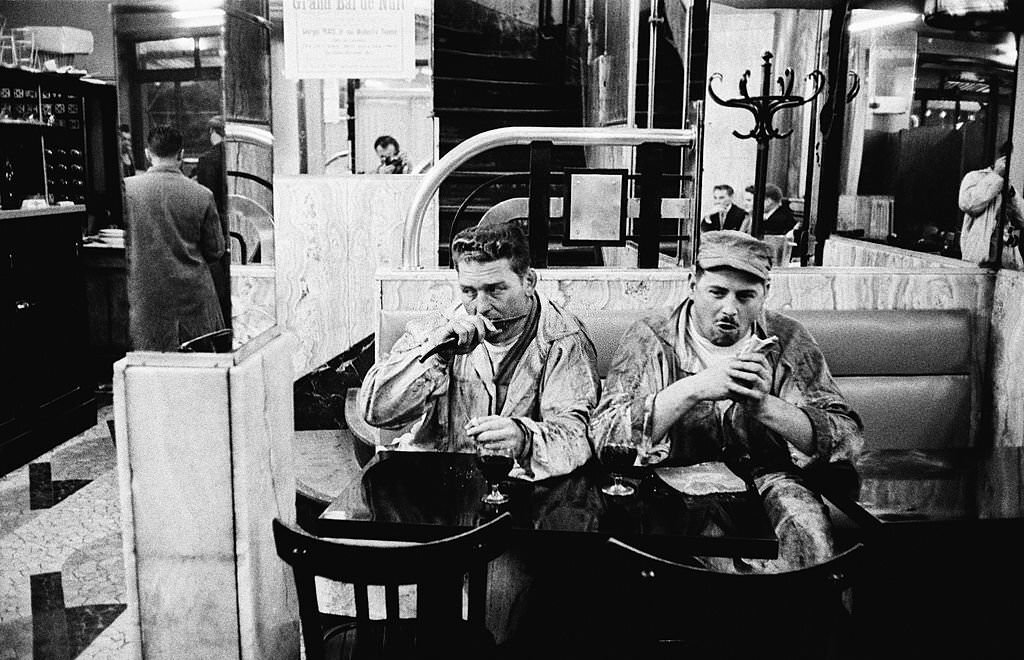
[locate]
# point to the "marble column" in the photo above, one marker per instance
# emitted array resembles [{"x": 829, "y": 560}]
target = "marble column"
[{"x": 204, "y": 452}]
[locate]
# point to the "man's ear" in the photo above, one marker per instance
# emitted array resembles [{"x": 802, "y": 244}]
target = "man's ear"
[
  {"x": 692, "y": 282},
  {"x": 530, "y": 279}
]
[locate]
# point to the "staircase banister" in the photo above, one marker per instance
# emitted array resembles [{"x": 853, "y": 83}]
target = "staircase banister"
[{"x": 520, "y": 135}]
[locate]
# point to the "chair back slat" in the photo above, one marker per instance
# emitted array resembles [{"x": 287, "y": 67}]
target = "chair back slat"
[
  {"x": 309, "y": 610},
  {"x": 362, "y": 601},
  {"x": 477, "y": 596},
  {"x": 391, "y": 603}
]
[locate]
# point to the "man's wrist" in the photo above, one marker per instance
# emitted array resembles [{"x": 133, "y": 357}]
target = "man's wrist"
[{"x": 526, "y": 442}]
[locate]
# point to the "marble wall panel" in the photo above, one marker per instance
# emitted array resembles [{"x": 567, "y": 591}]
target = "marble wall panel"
[
  {"x": 1007, "y": 353},
  {"x": 331, "y": 234},
  {"x": 262, "y": 429},
  {"x": 840, "y": 251},
  {"x": 795, "y": 288},
  {"x": 204, "y": 460},
  {"x": 133, "y": 650},
  {"x": 179, "y": 465},
  {"x": 253, "y": 306}
]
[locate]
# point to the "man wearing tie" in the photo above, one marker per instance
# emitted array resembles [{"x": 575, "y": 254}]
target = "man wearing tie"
[{"x": 728, "y": 215}]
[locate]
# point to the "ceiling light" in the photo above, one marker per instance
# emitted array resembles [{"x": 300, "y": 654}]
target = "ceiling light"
[
  {"x": 198, "y": 15},
  {"x": 183, "y": 5},
  {"x": 870, "y": 20}
]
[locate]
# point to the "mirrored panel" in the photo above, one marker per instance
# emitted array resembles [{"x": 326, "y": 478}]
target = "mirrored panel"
[
  {"x": 935, "y": 105},
  {"x": 171, "y": 115},
  {"x": 738, "y": 37},
  {"x": 365, "y": 125}
]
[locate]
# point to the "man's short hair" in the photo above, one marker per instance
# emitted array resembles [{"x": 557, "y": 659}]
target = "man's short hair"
[
  {"x": 487, "y": 243},
  {"x": 773, "y": 192},
  {"x": 726, "y": 187},
  {"x": 164, "y": 141},
  {"x": 384, "y": 140},
  {"x": 124, "y": 128},
  {"x": 216, "y": 124},
  {"x": 749, "y": 189}
]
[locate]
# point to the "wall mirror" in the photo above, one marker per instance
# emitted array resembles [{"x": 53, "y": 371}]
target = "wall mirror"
[
  {"x": 737, "y": 38},
  {"x": 203, "y": 68},
  {"x": 329, "y": 126},
  {"x": 935, "y": 104}
]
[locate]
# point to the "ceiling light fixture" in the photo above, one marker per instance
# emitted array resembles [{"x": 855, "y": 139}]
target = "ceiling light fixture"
[
  {"x": 871, "y": 20},
  {"x": 198, "y": 15}
]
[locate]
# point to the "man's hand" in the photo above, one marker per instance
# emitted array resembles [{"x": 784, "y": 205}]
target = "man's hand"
[
  {"x": 712, "y": 384},
  {"x": 497, "y": 431},
  {"x": 467, "y": 330},
  {"x": 750, "y": 380}
]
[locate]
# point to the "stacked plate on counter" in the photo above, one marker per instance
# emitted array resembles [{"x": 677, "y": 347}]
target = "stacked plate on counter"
[{"x": 113, "y": 237}]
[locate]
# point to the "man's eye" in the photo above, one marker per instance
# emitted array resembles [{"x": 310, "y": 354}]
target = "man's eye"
[{"x": 469, "y": 293}]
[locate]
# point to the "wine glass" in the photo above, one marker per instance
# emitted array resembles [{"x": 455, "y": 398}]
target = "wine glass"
[
  {"x": 617, "y": 455},
  {"x": 495, "y": 462}
]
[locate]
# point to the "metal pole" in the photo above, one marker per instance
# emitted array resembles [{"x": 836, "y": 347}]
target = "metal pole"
[
  {"x": 698, "y": 180},
  {"x": 760, "y": 179},
  {"x": 652, "y": 59}
]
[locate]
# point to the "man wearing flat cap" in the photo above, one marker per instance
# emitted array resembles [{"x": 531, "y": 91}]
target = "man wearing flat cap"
[{"x": 720, "y": 378}]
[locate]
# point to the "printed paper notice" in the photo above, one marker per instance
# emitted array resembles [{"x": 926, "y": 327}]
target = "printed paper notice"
[{"x": 349, "y": 39}]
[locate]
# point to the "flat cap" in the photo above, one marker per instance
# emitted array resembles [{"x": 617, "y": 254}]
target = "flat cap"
[{"x": 735, "y": 249}]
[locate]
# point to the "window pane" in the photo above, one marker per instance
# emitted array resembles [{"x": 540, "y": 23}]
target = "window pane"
[
  {"x": 210, "y": 53},
  {"x": 165, "y": 54},
  {"x": 187, "y": 106}
]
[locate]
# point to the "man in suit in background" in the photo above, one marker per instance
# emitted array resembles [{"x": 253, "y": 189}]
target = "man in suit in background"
[
  {"x": 778, "y": 219},
  {"x": 728, "y": 215}
]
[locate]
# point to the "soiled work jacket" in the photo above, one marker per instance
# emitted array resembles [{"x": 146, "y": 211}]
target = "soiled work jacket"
[{"x": 552, "y": 392}]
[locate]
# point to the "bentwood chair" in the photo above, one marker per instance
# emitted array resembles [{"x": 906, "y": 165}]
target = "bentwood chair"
[
  {"x": 687, "y": 611},
  {"x": 437, "y": 568}
]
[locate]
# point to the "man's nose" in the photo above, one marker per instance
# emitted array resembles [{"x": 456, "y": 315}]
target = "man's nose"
[{"x": 729, "y": 306}]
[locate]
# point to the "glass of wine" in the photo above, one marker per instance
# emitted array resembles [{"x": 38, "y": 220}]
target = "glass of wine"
[
  {"x": 495, "y": 462},
  {"x": 617, "y": 455}
]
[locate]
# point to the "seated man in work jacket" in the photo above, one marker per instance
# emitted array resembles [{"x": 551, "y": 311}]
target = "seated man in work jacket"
[
  {"x": 701, "y": 384},
  {"x": 516, "y": 370}
]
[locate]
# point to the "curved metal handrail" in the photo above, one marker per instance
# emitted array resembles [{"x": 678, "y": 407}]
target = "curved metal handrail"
[
  {"x": 254, "y": 135},
  {"x": 519, "y": 135}
]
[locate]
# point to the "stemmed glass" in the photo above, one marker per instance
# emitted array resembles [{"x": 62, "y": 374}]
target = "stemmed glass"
[
  {"x": 495, "y": 462},
  {"x": 618, "y": 454}
]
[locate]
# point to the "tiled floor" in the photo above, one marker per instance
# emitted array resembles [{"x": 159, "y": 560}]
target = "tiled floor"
[{"x": 61, "y": 575}]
